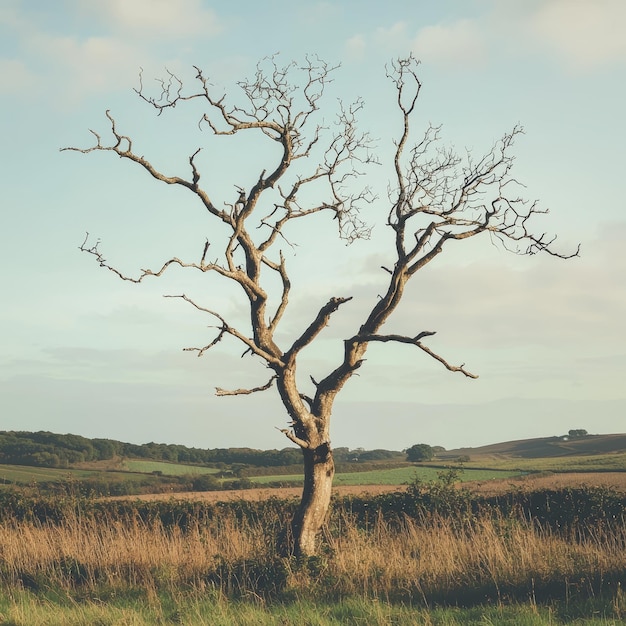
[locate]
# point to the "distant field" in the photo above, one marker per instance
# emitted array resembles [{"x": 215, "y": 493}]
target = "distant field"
[
  {"x": 25, "y": 475},
  {"x": 614, "y": 462},
  {"x": 397, "y": 476},
  {"x": 480, "y": 468},
  {"x": 168, "y": 469}
]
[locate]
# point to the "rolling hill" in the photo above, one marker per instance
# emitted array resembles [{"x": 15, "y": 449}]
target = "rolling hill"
[{"x": 546, "y": 447}]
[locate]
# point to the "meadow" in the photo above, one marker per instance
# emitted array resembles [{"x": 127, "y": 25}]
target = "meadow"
[
  {"x": 391, "y": 476},
  {"x": 577, "y": 463},
  {"x": 136, "y": 476},
  {"x": 170, "y": 469},
  {"x": 502, "y": 540},
  {"x": 433, "y": 553}
]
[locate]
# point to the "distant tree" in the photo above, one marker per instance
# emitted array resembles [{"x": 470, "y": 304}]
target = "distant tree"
[
  {"x": 577, "y": 432},
  {"x": 419, "y": 452},
  {"x": 205, "y": 482},
  {"x": 376, "y": 455},
  {"x": 436, "y": 199},
  {"x": 105, "y": 448}
]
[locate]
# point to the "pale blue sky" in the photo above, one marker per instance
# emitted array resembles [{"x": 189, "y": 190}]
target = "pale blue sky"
[{"x": 83, "y": 352}]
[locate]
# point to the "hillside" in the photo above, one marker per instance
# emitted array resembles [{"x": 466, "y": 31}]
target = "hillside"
[
  {"x": 56, "y": 463},
  {"x": 46, "y": 449},
  {"x": 546, "y": 447}
]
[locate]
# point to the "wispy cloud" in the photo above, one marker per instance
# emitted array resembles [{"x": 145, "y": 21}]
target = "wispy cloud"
[
  {"x": 155, "y": 19},
  {"x": 459, "y": 43},
  {"x": 91, "y": 65},
  {"x": 355, "y": 47},
  {"x": 16, "y": 77},
  {"x": 580, "y": 34},
  {"x": 101, "y": 48},
  {"x": 394, "y": 37},
  {"x": 583, "y": 34}
]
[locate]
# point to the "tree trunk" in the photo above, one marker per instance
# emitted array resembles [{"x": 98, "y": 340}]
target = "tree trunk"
[{"x": 319, "y": 470}]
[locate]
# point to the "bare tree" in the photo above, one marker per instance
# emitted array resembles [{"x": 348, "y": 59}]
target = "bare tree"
[{"x": 436, "y": 198}]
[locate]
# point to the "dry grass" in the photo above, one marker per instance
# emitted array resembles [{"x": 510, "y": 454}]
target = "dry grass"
[
  {"x": 434, "y": 559},
  {"x": 437, "y": 558},
  {"x": 121, "y": 552}
]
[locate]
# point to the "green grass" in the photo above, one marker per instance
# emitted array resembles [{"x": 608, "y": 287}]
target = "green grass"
[
  {"x": 23, "y": 608},
  {"x": 168, "y": 469},
  {"x": 396, "y": 476},
  {"x": 506, "y": 467},
  {"x": 615, "y": 462},
  {"x": 25, "y": 475}
]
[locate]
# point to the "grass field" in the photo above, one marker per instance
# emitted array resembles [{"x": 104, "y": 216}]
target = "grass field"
[
  {"x": 167, "y": 469},
  {"x": 100, "y": 561},
  {"x": 614, "y": 462},
  {"x": 140, "y": 565},
  {"x": 397, "y": 476},
  {"x": 23, "y": 608},
  {"x": 480, "y": 467},
  {"x": 26, "y": 475}
]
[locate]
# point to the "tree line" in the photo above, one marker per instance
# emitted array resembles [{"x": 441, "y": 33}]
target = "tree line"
[{"x": 46, "y": 449}]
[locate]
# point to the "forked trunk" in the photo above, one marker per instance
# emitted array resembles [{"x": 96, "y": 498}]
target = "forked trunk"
[{"x": 319, "y": 470}]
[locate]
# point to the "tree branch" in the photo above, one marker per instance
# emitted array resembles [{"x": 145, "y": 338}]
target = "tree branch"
[
  {"x": 316, "y": 326},
  {"x": 416, "y": 341},
  {"x": 451, "y": 368},
  {"x": 398, "y": 338},
  {"x": 292, "y": 437},
  {"x": 225, "y": 328},
  {"x": 123, "y": 148},
  {"x": 240, "y": 392}
]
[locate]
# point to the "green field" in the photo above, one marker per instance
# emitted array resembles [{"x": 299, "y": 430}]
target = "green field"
[
  {"x": 614, "y": 462},
  {"x": 25, "y": 475},
  {"x": 26, "y": 608},
  {"x": 167, "y": 469},
  {"x": 482, "y": 467},
  {"x": 396, "y": 476}
]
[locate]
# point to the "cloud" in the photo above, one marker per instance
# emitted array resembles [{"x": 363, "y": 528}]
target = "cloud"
[
  {"x": 157, "y": 19},
  {"x": 398, "y": 425},
  {"x": 101, "y": 47},
  {"x": 583, "y": 34},
  {"x": 498, "y": 302},
  {"x": 92, "y": 65},
  {"x": 395, "y": 37},
  {"x": 142, "y": 411},
  {"x": 16, "y": 77},
  {"x": 318, "y": 14},
  {"x": 355, "y": 47},
  {"x": 461, "y": 42}
]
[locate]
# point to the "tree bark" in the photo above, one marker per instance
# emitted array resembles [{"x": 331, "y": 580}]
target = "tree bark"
[{"x": 312, "y": 513}]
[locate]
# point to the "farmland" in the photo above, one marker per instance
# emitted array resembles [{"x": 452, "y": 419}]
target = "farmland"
[
  {"x": 513, "y": 538},
  {"x": 421, "y": 555},
  {"x": 503, "y": 463},
  {"x": 395, "y": 476}
]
